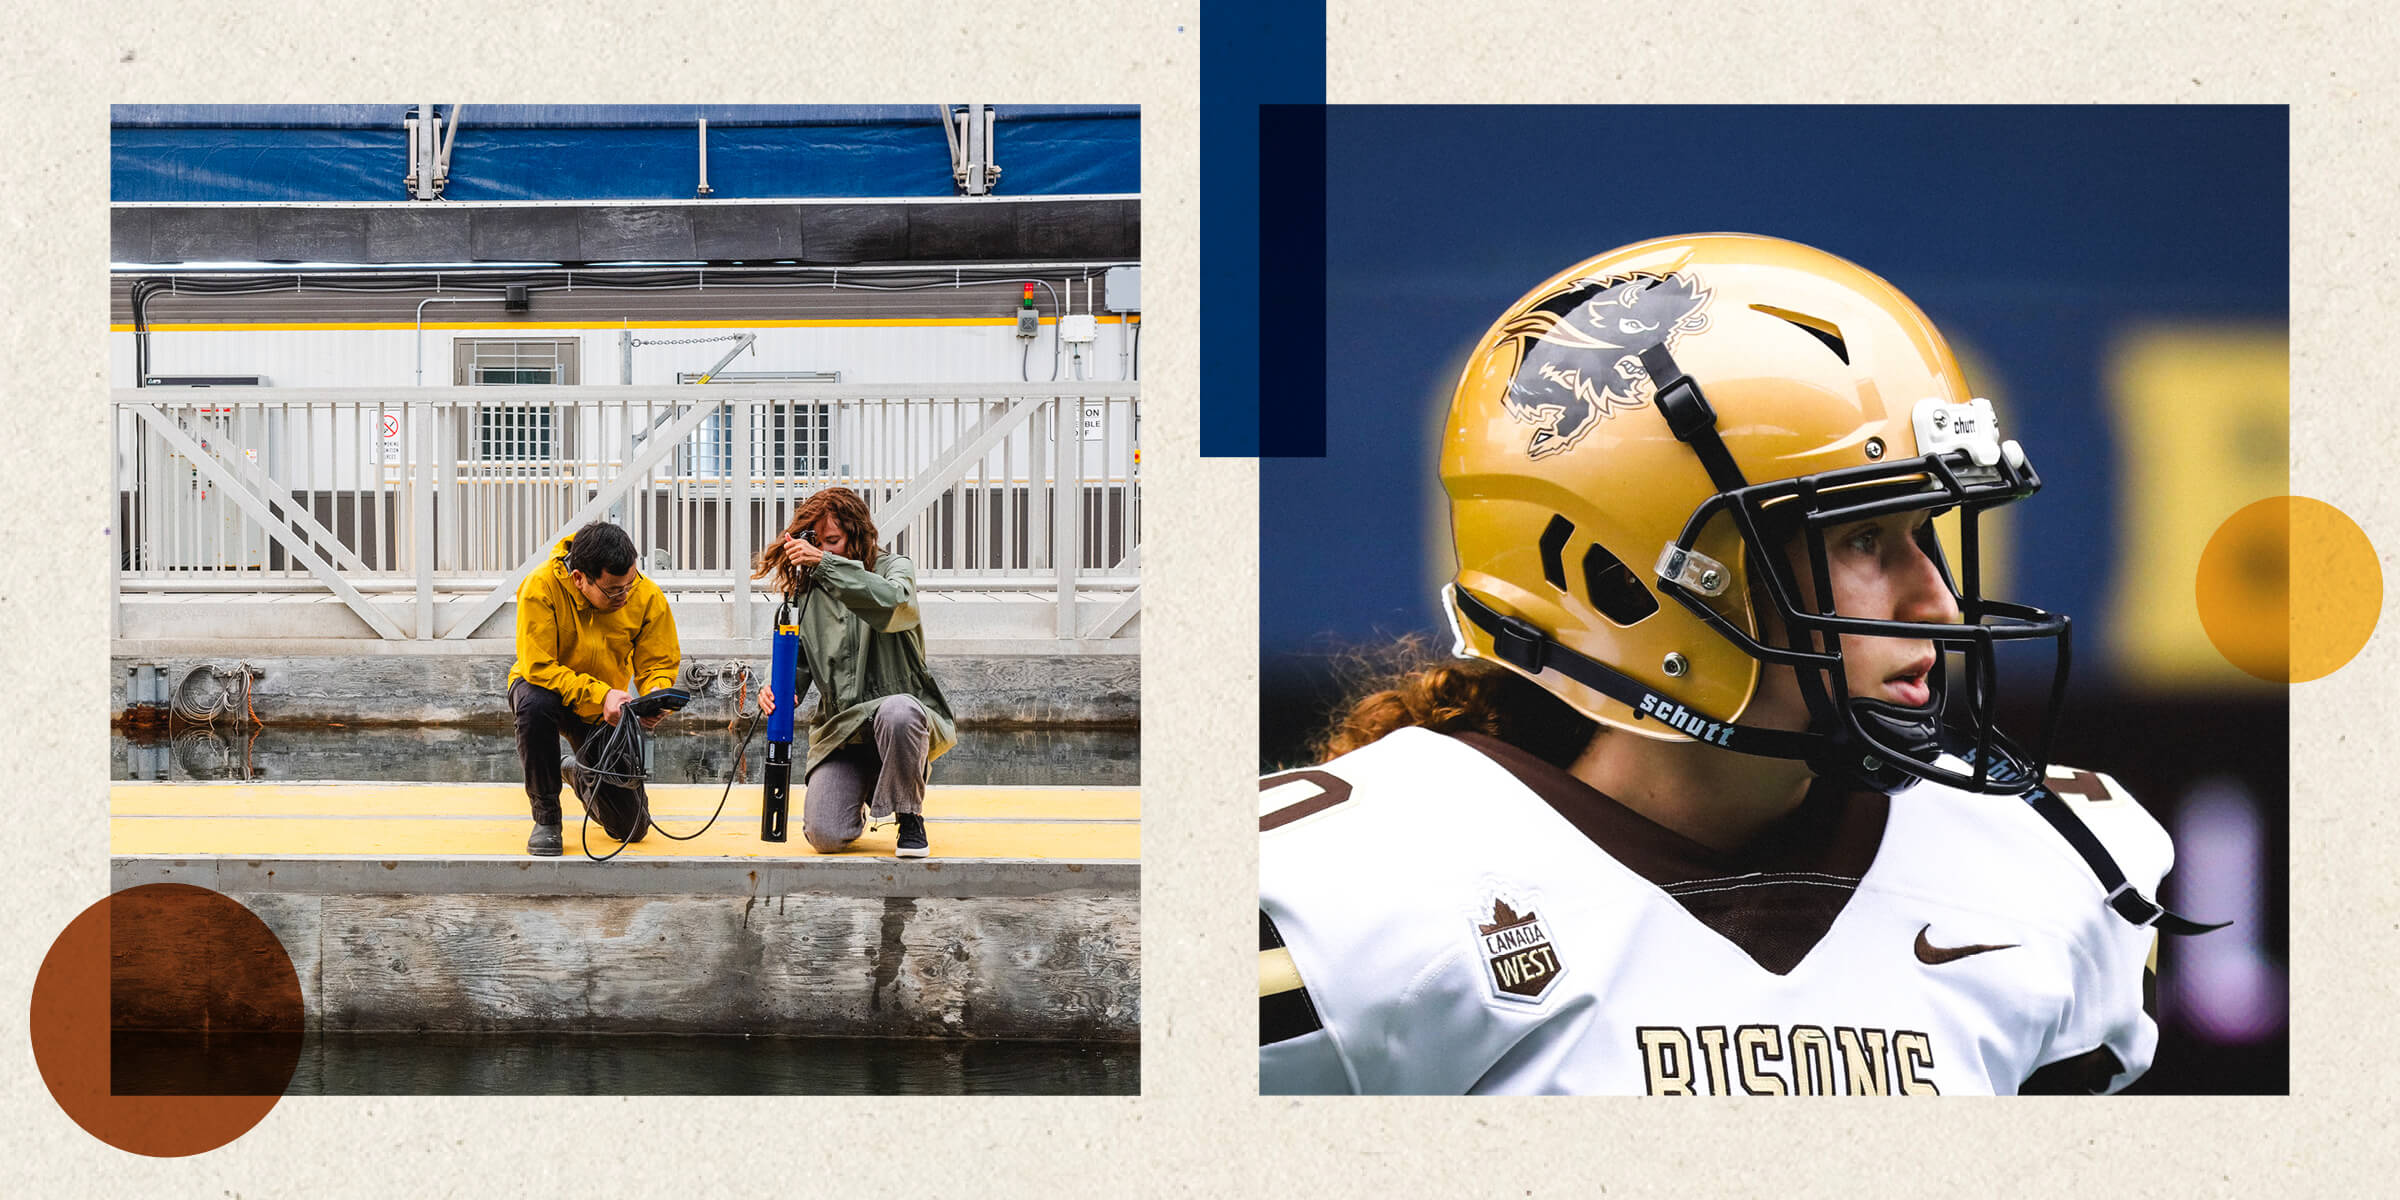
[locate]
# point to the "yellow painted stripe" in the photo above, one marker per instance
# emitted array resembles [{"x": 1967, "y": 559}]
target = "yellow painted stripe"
[
  {"x": 669, "y": 801},
  {"x": 1276, "y": 974},
  {"x": 734, "y": 836},
  {"x": 824, "y": 323}
]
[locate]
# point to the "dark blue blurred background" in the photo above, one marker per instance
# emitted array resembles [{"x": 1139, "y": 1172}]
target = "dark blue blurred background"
[
  {"x": 2029, "y": 234},
  {"x": 2038, "y": 238}
]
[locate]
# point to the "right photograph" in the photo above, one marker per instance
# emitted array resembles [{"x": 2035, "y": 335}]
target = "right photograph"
[{"x": 1795, "y": 602}]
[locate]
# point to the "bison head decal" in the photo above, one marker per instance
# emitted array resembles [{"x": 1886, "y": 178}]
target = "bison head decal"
[{"x": 1579, "y": 351}]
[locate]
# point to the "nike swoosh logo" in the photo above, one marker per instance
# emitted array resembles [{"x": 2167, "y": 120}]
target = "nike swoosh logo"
[{"x": 1933, "y": 955}]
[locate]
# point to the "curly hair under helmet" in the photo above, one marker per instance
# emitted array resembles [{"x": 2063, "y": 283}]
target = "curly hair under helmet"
[
  {"x": 848, "y": 510},
  {"x": 1412, "y": 683}
]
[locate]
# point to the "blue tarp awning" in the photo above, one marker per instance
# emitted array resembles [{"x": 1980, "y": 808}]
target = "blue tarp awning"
[{"x": 221, "y": 153}]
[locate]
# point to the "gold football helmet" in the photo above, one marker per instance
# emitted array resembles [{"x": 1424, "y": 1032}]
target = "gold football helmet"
[{"x": 1635, "y": 442}]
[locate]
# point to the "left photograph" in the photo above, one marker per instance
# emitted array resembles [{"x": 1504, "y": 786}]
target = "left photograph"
[{"x": 625, "y": 599}]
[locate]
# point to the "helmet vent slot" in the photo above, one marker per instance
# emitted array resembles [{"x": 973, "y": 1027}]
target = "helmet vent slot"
[
  {"x": 1554, "y": 544},
  {"x": 1822, "y": 330},
  {"x": 1616, "y": 591}
]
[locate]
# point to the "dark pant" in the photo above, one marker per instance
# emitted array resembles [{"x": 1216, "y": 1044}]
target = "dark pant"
[{"x": 542, "y": 718}]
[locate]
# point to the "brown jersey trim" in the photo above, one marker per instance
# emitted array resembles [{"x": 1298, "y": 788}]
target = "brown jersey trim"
[
  {"x": 1332, "y": 789},
  {"x": 2079, "y": 783},
  {"x": 1775, "y": 899}
]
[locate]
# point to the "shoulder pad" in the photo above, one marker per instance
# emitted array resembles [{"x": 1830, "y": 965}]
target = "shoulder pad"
[{"x": 1401, "y": 757}]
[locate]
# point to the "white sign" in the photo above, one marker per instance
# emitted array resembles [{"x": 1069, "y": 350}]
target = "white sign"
[
  {"x": 1092, "y": 415},
  {"x": 391, "y": 437}
]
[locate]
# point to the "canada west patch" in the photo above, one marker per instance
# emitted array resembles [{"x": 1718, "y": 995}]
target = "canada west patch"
[{"x": 1518, "y": 953}]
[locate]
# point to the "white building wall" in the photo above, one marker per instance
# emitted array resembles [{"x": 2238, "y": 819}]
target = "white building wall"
[
  {"x": 897, "y": 353},
  {"x": 319, "y": 448},
  {"x": 894, "y": 353}
]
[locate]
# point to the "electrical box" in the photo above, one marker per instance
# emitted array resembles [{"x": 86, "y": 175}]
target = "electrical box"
[
  {"x": 1082, "y": 327},
  {"x": 1029, "y": 324},
  {"x": 1121, "y": 290}
]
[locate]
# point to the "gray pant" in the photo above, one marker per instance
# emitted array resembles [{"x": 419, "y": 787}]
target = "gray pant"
[{"x": 887, "y": 768}]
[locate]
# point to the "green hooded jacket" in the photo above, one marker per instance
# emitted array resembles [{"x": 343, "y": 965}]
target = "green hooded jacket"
[{"x": 860, "y": 641}]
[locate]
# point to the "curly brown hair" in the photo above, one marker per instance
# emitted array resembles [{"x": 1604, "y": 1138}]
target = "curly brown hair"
[
  {"x": 848, "y": 510},
  {"x": 1408, "y": 683}
]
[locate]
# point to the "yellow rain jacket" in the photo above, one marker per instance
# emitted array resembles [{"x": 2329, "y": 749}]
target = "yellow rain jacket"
[{"x": 580, "y": 652}]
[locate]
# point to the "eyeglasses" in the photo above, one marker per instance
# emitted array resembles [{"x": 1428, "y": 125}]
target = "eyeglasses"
[{"x": 616, "y": 594}]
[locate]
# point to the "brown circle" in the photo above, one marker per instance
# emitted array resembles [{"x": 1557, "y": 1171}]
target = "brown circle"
[{"x": 167, "y": 1020}]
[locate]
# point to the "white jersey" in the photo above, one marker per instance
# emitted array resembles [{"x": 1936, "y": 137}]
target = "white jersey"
[{"x": 1448, "y": 914}]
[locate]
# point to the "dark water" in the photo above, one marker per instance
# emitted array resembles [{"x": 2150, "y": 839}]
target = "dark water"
[
  {"x": 454, "y": 1064},
  {"x": 681, "y": 752}
]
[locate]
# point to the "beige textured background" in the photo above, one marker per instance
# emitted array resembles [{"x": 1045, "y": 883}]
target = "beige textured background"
[{"x": 1199, "y": 1129}]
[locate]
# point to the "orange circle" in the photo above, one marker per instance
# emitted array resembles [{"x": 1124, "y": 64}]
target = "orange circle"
[
  {"x": 2289, "y": 589},
  {"x": 167, "y": 1020}
]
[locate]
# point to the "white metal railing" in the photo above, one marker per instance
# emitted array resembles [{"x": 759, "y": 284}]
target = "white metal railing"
[{"x": 365, "y": 491}]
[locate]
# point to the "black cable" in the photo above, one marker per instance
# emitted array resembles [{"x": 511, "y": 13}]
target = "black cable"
[
  {"x": 551, "y": 280},
  {"x": 620, "y": 746},
  {"x": 749, "y": 726},
  {"x": 619, "y": 760},
  {"x": 147, "y": 287}
]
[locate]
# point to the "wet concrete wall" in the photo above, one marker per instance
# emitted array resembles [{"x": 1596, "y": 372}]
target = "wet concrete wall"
[
  {"x": 993, "y": 954},
  {"x": 356, "y": 689}
]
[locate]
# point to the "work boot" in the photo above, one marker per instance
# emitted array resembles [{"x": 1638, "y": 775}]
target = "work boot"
[
  {"x": 912, "y": 835},
  {"x": 545, "y": 842}
]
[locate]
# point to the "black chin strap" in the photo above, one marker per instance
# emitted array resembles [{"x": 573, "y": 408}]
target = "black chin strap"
[
  {"x": 2129, "y": 903},
  {"x": 1690, "y": 418},
  {"x": 1525, "y": 646}
]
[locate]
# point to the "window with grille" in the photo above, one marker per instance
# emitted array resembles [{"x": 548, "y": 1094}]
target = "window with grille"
[
  {"x": 797, "y": 440},
  {"x": 787, "y": 438},
  {"x": 516, "y": 432},
  {"x": 513, "y": 433}
]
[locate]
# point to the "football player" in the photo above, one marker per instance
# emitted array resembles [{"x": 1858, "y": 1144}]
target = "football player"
[{"x": 1719, "y": 807}]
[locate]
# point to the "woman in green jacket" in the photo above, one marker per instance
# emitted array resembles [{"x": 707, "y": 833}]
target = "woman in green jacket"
[{"x": 880, "y": 719}]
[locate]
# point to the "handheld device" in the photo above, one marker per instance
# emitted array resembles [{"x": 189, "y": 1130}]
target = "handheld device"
[{"x": 664, "y": 700}]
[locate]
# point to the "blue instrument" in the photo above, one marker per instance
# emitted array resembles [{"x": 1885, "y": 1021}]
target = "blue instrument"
[{"x": 782, "y": 676}]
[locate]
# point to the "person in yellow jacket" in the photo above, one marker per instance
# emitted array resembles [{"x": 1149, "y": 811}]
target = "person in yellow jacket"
[{"x": 589, "y": 628}]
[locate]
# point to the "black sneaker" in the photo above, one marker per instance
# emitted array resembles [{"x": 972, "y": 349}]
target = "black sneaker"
[
  {"x": 912, "y": 835},
  {"x": 545, "y": 842}
]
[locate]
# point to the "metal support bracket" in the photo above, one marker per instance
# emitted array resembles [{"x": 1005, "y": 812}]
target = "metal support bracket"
[
  {"x": 969, "y": 128},
  {"x": 207, "y": 463}
]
